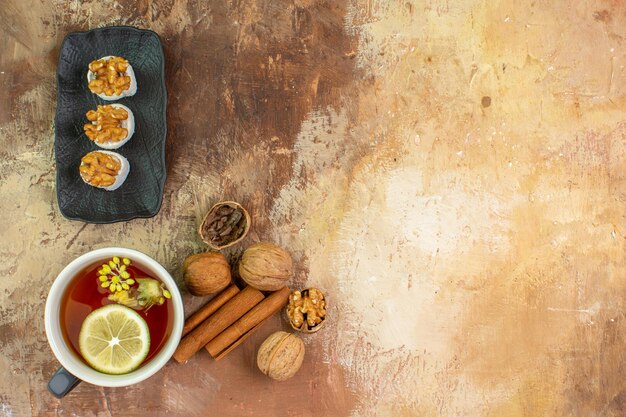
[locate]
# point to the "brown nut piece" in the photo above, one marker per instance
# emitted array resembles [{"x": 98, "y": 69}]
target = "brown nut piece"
[
  {"x": 206, "y": 273},
  {"x": 265, "y": 266},
  {"x": 280, "y": 355},
  {"x": 99, "y": 169},
  {"x": 106, "y": 124},
  {"x": 224, "y": 225},
  {"x": 110, "y": 76},
  {"x": 307, "y": 310}
]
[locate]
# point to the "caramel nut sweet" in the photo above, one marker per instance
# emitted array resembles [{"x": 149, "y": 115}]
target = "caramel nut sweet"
[
  {"x": 111, "y": 78},
  {"x": 104, "y": 169},
  {"x": 110, "y": 126}
]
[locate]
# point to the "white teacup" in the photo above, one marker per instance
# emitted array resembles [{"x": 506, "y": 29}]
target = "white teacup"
[{"x": 75, "y": 368}]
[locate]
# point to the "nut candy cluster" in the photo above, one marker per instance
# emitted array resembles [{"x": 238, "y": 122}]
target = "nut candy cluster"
[
  {"x": 111, "y": 78},
  {"x": 99, "y": 169},
  {"x": 106, "y": 124}
]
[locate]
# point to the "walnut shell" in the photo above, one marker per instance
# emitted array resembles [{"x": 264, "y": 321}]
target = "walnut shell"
[
  {"x": 306, "y": 310},
  {"x": 226, "y": 224},
  {"x": 206, "y": 273},
  {"x": 265, "y": 266},
  {"x": 280, "y": 355}
]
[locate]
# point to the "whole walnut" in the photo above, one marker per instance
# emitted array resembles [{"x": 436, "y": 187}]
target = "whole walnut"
[
  {"x": 206, "y": 273},
  {"x": 280, "y": 355},
  {"x": 265, "y": 266}
]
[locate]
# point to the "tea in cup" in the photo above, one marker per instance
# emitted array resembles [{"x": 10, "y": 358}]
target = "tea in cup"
[{"x": 113, "y": 317}]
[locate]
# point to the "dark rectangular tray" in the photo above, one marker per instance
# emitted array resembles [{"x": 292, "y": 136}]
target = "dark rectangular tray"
[{"x": 142, "y": 192}]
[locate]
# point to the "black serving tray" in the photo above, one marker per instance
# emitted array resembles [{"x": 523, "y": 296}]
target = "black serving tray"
[{"x": 142, "y": 192}]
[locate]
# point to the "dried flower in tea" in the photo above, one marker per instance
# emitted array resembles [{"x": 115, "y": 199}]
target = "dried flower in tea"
[
  {"x": 114, "y": 276},
  {"x": 148, "y": 293}
]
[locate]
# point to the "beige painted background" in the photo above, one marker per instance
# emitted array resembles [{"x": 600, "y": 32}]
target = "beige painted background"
[{"x": 451, "y": 173}]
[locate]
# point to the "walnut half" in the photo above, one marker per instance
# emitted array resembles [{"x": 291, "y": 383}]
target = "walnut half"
[{"x": 307, "y": 310}]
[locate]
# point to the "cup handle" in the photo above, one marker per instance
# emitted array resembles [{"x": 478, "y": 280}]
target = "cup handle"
[{"x": 62, "y": 382}]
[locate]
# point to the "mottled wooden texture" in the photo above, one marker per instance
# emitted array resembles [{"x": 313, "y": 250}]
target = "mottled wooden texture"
[{"x": 451, "y": 173}]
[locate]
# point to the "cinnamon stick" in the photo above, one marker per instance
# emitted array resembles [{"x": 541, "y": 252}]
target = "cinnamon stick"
[
  {"x": 236, "y": 307},
  {"x": 240, "y": 329},
  {"x": 209, "y": 308},
  {"x": 239, "y": 341}
]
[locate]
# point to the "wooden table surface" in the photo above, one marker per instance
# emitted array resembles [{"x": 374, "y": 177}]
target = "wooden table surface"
[{"x": 451, "y": 173}]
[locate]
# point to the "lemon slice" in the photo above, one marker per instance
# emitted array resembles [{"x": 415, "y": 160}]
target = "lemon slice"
[{"x": 114, "y": 339}]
